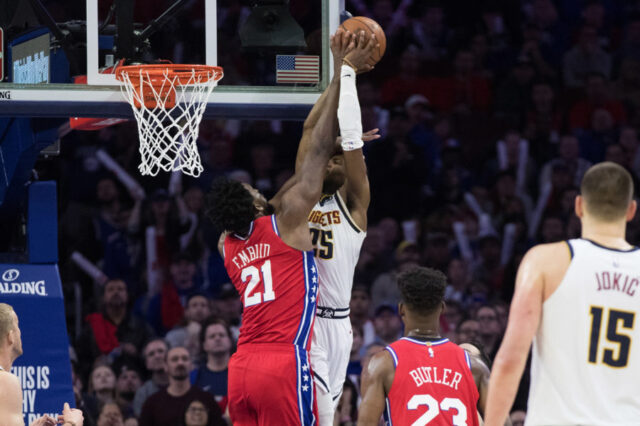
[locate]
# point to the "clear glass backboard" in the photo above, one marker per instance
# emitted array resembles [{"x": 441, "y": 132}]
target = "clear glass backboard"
[{"x": 57, "y": 55}]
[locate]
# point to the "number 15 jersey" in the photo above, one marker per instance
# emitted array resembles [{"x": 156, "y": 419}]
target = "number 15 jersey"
[
  {"x": 278, "y": 285},
  {"x": 432, "y": 385},
  {"x": 585, "y": 361}
]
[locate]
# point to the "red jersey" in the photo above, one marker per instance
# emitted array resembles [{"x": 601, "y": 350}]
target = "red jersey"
[
  {"x": 432, "y": 384},
  {"x": 277, "y": 283}
]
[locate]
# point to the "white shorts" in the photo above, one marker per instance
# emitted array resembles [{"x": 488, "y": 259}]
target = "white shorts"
[{"x": 330, "y": 350}]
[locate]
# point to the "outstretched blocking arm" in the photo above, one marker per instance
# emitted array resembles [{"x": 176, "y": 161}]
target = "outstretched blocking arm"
[
  {"x": 296, "y": 203},
  {"x": 341, "y": 42},
  {"x": 524, "y": 318},
  {"x": 376, "y": 382}
]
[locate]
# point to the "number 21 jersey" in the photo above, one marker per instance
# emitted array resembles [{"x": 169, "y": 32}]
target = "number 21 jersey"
[
  {"x": 278, "y": 285},
  {"x": 432, "y": 385}
]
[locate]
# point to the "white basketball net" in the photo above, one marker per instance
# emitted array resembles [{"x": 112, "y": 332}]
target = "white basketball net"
[{"x": 168, "y": 135}]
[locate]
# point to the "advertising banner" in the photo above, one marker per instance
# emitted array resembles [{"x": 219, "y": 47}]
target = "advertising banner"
[{"x": 44, "y": 369}]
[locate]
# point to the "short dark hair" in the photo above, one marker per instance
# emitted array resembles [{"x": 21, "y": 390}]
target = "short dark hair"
[
  {"x": 230, "y": 205},
  {"x": 607, "y": 190},
  {"x": 362, "y": 288},
  {"x": 213, "y": 320},
  {"x": 154, "y": 339},
  {"x": 422, "y": 289}
]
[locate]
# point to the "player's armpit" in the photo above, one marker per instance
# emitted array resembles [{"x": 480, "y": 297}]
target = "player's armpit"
[
  {"x": 277, "y": 199},
  {"x": 376, "y": 381}
]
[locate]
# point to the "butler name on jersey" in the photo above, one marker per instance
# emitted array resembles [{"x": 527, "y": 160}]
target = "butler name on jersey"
[{"x": 432, "y": 384}]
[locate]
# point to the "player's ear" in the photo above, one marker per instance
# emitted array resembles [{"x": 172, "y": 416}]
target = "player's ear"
[
  {"x": 401, "y": 309},
  {"x": 258, "y": 208},
  {"x": 579, "y": 206},
  {"x": 631, "y": 210},
  {"x": 11, "y": 337}
]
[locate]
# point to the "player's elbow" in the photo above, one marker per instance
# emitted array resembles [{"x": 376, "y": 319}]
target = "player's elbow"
[{"x": 508, "y": 362}]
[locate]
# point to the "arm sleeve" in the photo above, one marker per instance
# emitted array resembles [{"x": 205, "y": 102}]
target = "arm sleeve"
[{"x": 349, "y": 116}]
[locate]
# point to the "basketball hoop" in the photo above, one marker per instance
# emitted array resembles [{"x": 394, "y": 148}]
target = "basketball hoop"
[{"x": 168, "y": 114}]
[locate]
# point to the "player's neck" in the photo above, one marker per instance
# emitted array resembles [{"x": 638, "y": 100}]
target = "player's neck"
[
  {"x": 423, "y": 331},
  {"x": 5, "y": 360},
  {"x": 606, "y": 234}
]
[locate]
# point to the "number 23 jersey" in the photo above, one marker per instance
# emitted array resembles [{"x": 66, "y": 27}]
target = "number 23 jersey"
[
  {"x": 432, "y": 385},
  {"x": 277, "y": 284}
]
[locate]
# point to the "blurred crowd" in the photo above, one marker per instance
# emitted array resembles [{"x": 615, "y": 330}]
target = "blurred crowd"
[{"x": 489, "y": 111}]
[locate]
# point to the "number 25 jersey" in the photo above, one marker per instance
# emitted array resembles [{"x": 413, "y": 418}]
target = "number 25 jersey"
[
  {"x": 278, "y": 285},
  {"x": 585, "y": 361},
  {"x": 432, "y": 385}
]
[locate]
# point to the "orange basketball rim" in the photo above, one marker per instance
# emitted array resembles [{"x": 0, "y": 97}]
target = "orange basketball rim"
[{"x": 156, "y": 84}]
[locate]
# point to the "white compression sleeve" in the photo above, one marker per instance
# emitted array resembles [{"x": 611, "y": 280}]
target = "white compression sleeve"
[{"x": 349, "y": 111}]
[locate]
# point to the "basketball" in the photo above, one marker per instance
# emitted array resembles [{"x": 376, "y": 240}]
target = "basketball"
[{"x": 358, "y": 23}]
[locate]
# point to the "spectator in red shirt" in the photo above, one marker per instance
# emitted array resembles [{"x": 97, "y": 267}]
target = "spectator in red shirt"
[
  {"x": 598, "y": 96},
  {"x": 463, "y": 92},
  {"x": 407, "y": 81}
]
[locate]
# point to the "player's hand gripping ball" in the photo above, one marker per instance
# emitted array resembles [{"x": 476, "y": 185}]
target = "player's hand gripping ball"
[{"x": 360, "y": 23}]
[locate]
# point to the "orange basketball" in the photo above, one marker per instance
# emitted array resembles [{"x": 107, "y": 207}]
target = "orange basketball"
[{"x": 359, "y": 23}]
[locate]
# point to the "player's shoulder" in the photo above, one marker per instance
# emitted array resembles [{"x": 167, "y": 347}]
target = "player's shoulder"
[
  {"x": 381, "y": 367},
  {"x": 383, "y": 360},
  {"x": 549, "y": 253},
  {"x": 9, "y": 381}
]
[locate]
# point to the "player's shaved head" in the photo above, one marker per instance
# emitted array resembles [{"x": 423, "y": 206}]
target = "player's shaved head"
[
  {"x": 6, "y": 319},
  {"x": 607, "y": 190}
]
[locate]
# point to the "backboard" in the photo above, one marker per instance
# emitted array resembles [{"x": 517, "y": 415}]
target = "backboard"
[{"x": 275, "y": 53}]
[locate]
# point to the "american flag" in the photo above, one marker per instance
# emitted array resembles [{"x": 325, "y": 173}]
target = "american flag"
[{"x": 297, "y": 69}]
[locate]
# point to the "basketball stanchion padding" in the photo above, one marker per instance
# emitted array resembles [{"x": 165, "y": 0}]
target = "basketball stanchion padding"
[{"x": 168, "y": 101}]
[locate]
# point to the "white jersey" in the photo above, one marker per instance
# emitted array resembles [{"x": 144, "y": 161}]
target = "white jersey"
[
  {"x": 337, "y": 241},
  {"x": 586, "y": 353}
]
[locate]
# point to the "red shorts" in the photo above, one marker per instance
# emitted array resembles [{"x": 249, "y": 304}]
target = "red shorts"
[{"x": 271, "y": 384}]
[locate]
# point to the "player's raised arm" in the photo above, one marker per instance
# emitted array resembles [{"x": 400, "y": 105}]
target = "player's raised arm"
[
  {"x": 524, "y": 318},
  {"x": 376, "y": 382},
  {"x": 350, "y": 121},
  {"x": 341, "y": 43},
  {"x": 296, "y": 203}
]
